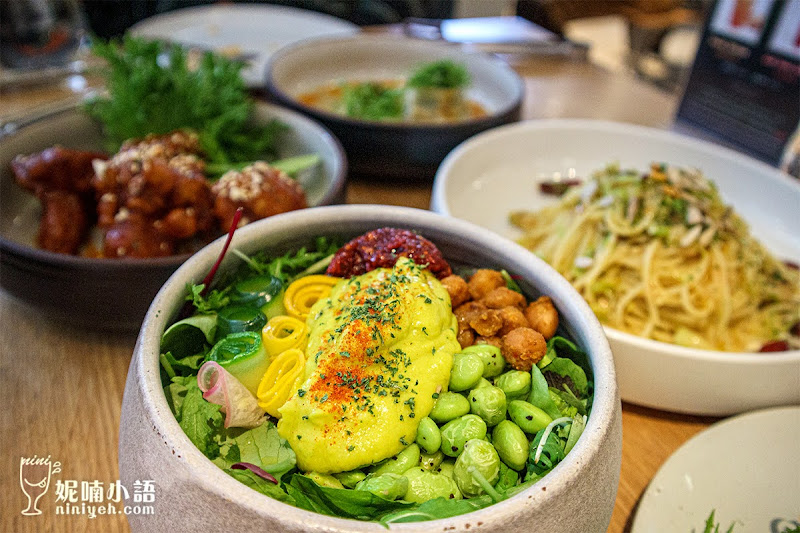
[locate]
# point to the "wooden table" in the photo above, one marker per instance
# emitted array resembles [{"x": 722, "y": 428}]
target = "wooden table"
[{"x": 62, "y": 388}]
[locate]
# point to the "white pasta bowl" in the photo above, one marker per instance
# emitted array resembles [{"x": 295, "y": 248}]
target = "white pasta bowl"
[
  {"x": 194, "y": 494},
  {"x": 499, "y": 171}
]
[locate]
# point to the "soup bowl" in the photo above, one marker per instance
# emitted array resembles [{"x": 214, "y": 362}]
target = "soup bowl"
[
  {"x": 192, "y": 493},
  {"x": 392, "y": 149}
]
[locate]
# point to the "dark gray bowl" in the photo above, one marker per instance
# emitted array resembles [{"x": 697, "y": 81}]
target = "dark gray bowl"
[
  {"x": 392, "y": 150},
  {"x": 114, "y": 294}
]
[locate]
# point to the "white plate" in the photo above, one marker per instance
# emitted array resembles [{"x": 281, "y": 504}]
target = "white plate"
[
  {"x": 746, "y": 468},
  {"x": 499, "y": 171},
  {"x": 253, "y": 30}
]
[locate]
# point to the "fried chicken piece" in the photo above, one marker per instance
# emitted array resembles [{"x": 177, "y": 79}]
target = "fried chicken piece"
[
  {"x": 56, "y": 169},
  {"x": 64, "y": 223},
  {"x": 153, "y": 195},
  {"x": 61, "y": 180},
  {"x": 260, "y": 189},
  {"x": 136, "y": 236}
]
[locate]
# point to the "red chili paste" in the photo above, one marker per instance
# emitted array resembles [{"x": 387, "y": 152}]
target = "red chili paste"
[{"x": 381, "y": 248}]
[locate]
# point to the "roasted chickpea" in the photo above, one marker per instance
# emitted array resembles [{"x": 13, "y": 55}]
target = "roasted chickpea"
[
  {"x": 512, "y": 318},
  {"x": 483, "y": 281},
  {"x": 465, "y": 337},
  {"x": 493, "y": 340},
  {"x": 523, "y": 348},
  {"x": 543, "y": 316},
  {"x": 457, "y": 288},
  {"x": 486, "y": 322},
  {"x": 468, "y": 310},
  {"x": 503, "y": 297}
]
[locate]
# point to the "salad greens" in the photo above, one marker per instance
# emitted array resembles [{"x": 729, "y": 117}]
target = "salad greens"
[
  {"x": 384, "y": 101},
  {"x": 259, "y": 457},
  {"x": 152, "y": 88},
  {"x": 373, "y": 101},
  {"x": 442, "y": 74}
]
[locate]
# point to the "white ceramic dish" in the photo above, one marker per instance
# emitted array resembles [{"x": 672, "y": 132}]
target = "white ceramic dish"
[
  {"x": 194, "y": 494},
  {"x": 254, "y": 31},
  {"x": 499, "y": 171},
  {"x": 745, "y": 468}
]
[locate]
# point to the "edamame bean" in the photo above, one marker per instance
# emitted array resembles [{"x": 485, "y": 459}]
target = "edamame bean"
[
  {"x": 428, "y": 436},
  {"x": 489, "y": 403},
  {"x": 527, "y": 416},
  {"x": 511, "y": 444},
  {"x": 424, "y": 485},
  {"x": 456, "y": 432},
  {"x": 400, "y": 462},
  {"x": 449, "y": 406},
  {"x": 515, "y": 383},
  {"x": 389, "y": 486},
  {"x": 431, "y": 461},
  {"x": 483, "y": 382},
  {"x": 325, "y": 480},
  {"x": 350, "y": 479},
  {"x": 467, "y": 371},
  {"x": 446, "y": 468},
  {"x": 492, "y": 358},
  {"x": 478, "y": 464}
]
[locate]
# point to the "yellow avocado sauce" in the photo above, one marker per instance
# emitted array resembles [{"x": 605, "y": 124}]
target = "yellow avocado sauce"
[{"x": 380, "y": 346}]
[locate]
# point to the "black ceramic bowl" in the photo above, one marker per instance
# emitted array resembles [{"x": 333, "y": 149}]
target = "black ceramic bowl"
[
  {"x": 114, "y": 294},
  {"x": 392, "y": 149}
]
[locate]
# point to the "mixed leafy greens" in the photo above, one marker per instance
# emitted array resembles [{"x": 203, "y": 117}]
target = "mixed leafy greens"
[
  {"x": 153, "y": 88},
  {"x": 379, "y": 101},
  {"x": 261, "y": 459},
  {"x": 442, "y": 74},
  {"x": 373, "y": 101}
]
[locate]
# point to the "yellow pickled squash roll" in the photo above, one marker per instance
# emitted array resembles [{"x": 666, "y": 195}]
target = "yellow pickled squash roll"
[
  {"x": 303, "y": 293},
  {"x": 281, "y": 379},
  {"x": 282, "y": 333}
]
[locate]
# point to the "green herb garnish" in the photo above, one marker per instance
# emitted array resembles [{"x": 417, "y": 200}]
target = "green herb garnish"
[
  {"x": 443, "y": 74},
  {"x": 152, "y": 89},
  {"x": 373, "y": 101},
  {"x": 712, "y": 526}
]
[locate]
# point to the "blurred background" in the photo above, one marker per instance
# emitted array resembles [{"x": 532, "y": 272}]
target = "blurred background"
[{"x": 655, "y": 40}]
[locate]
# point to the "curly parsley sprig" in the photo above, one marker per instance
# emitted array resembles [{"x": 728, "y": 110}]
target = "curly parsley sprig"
[{"x": 152, "y": 88}]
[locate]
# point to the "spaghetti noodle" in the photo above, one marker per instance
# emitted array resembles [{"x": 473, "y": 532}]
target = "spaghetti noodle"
[{"x": 661, "y": 256}]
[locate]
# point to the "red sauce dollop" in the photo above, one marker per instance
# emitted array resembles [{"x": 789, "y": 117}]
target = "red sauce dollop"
[{"x": 381, "y": 248}]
